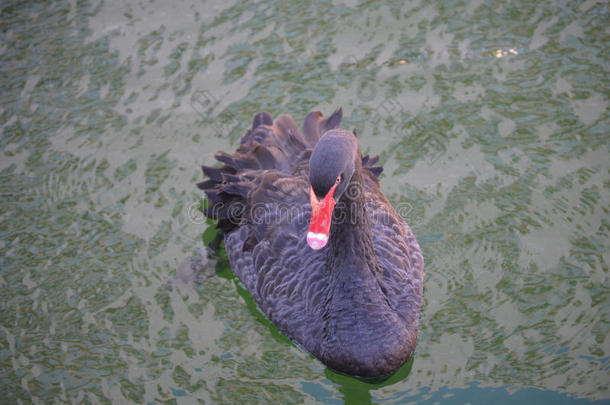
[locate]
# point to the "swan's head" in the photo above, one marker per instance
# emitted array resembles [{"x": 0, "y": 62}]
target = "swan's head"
[{"x": 331, "y": 168}]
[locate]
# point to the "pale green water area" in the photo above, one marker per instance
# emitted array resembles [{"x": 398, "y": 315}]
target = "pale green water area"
[{"x": 491, "y": 119}]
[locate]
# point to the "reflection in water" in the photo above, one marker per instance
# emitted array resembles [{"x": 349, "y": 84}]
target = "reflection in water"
[
  {"x": 356, "y": 391},
  {"x": 107, "y": 111}
]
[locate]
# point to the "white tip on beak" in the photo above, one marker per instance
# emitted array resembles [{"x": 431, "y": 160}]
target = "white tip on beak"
[{"x": 316, "y": 241}]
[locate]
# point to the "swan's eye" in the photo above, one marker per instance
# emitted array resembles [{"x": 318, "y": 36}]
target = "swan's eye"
[{"x": 338, "y": 179}]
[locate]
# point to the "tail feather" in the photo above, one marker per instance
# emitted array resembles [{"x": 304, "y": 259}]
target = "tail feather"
[
  {"x": 214, "y": 173},
  {"x": 374, "y": 160},
  {"x": 225, "y": 158},
  {"x": 316, "y": 125},
  {"x": 368, "y": 164},
  {"x": 334, "y": 120},
  {"x": 262, "y": 118}
]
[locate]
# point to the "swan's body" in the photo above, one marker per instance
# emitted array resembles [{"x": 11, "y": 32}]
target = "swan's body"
[{"x": 355, "y": 302}]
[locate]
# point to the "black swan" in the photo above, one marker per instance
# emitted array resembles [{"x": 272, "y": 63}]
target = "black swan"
[{"x": 318, "y": 246}]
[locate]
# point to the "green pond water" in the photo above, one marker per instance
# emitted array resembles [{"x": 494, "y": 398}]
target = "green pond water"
[{"x": 491, "y": 120}]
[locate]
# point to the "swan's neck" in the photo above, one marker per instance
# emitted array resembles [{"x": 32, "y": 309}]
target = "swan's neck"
[{"x": 351, "y": 240}]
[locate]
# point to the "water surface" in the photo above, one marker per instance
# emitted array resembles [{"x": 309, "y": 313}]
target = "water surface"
[{"x": 491, "y": 119}]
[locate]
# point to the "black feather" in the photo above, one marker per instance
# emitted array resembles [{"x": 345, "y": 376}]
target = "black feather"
[{"x": 262, "y": 118}]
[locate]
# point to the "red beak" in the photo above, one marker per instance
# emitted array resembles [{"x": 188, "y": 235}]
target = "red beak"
[{"x": 321, "y": 216}]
